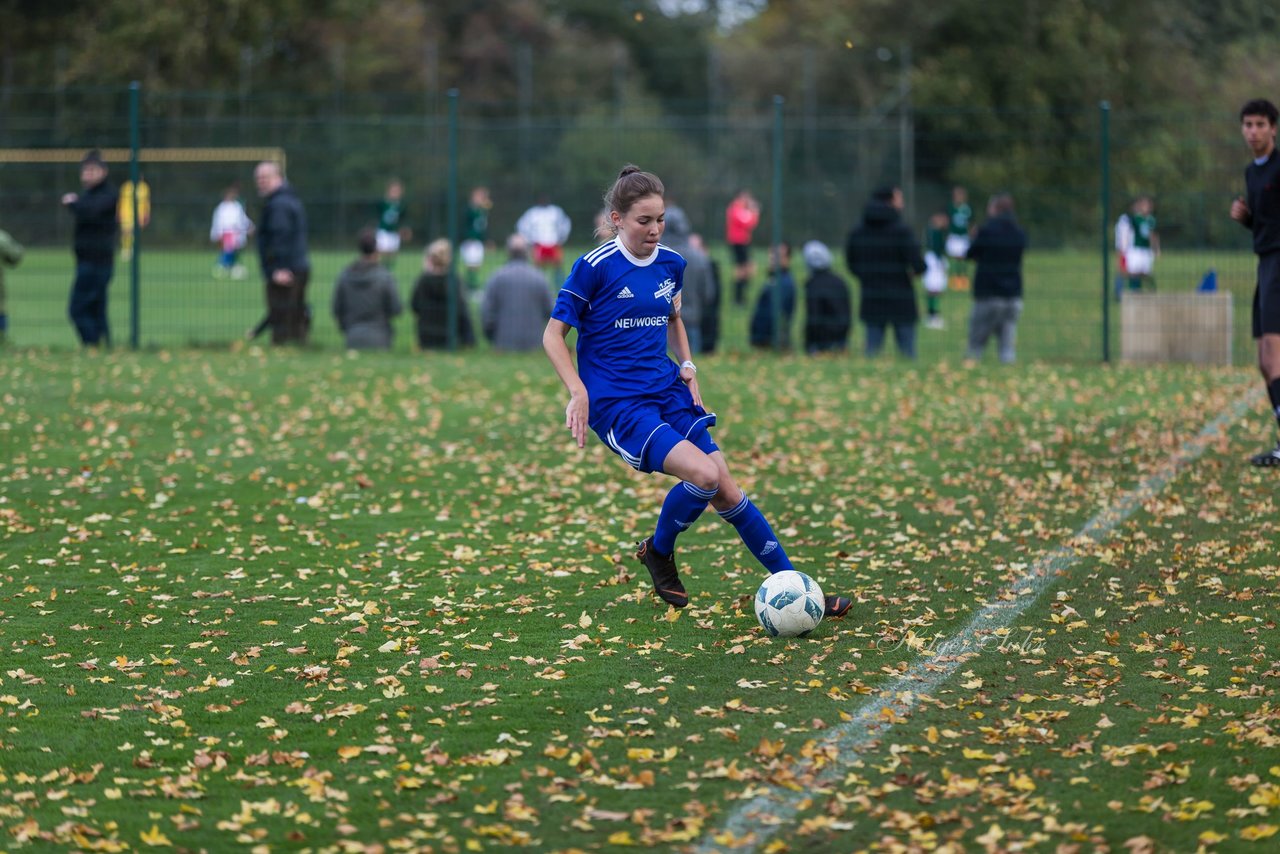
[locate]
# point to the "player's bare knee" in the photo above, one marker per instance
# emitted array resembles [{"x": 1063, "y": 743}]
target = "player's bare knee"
[{"x": 706, "y": 476}]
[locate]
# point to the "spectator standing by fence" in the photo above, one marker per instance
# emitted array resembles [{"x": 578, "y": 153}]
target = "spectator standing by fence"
[
  {"x": 1259, "y": 211},
  {"x": 997, "y": 282},
  {"x": 282, "y": 248},
  {"x": 740, "y": 220},
  {"x": 365, "y": 298},
  {"x": 883, "y": 254},
  {"x": 94, "y": 245},
  {"x": 517, "y": 302},
  {"x": 10, "y": 255}
]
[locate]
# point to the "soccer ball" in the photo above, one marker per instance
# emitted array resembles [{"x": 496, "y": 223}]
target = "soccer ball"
[{"x": 789, "y": 604}]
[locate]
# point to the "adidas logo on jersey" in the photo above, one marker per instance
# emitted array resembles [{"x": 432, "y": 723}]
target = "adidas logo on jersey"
[{"x": 625, "y": 293}]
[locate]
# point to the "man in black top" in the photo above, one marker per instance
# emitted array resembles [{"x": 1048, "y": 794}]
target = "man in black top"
[
  {"x": 883, "y": 254},
  {"x": 997, "y": 282},
  {"x": 282, "y": 248},
  {"x": 1259, "y": 211},
  {"x": 94, "y": 244}
]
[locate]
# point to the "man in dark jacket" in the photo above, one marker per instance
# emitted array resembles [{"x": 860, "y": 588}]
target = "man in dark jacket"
[
  {"x": 826, "y": 302},
  {"x": 365, "y": 298},
  {"x": 884, "y": 255},
  {"x": 997, "y": 283},
  {"x": 94, "y": 244},
  {"x": 282, "y": 248}
]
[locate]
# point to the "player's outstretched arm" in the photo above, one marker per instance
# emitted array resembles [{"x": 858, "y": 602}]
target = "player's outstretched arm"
[{"x": 578, "y": 408}]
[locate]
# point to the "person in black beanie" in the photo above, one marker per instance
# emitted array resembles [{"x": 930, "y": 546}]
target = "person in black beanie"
[{"x": 94, "y": 245}]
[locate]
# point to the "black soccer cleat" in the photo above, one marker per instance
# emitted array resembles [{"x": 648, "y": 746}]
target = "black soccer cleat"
[
  {"x": 836, "y": 606},
  {"x": 1267, "y": 458},
  {"x": 662, "y": 569}
]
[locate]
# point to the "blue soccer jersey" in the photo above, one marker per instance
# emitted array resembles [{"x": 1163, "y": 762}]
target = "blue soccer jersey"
[{"x": 621, "y": 305}]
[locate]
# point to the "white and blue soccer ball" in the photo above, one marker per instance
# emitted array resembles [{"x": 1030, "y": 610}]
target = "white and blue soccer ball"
[{"x": 789, "y": 604}]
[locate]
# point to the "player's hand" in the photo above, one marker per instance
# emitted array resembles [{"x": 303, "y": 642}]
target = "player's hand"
[
  {"x": 282, "y": 277},
  {"x": 69, "y": 198},
  {"x": 575, "y": 417},
  {"x": 1239, "y": 210},
  {"x": 691, "y": 380}
]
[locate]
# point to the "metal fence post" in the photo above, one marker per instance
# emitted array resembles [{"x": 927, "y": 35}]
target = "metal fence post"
[
  {"x": 776, "y": 211},
  {"x": 1104, "y": 156},
  {"x": 451, "y": 205},
  {"x": 135, "y": 255}
]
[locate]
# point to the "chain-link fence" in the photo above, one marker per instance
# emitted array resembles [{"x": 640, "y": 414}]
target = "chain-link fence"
[{"x": 812, "y": 168}]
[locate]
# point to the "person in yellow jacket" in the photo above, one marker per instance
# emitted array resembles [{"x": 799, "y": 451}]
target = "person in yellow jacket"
[{"x": 124, "y": 213}]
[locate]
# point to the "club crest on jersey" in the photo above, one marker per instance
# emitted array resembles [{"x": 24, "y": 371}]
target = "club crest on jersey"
[{"x": 665, "y": 290}]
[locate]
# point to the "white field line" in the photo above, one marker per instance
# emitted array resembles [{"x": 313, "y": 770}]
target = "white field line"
[{"x": 754, "y": 821}]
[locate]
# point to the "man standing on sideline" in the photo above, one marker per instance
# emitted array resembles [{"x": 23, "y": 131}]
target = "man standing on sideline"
[
  {"x": 883, "y": 254},
  {"x": 1259, "y": 210},
  {"x": 517, "y": 302},
  {"x": 997, "y": 283},
  {"x": 282, "y": 248},
  {"x": 94, "y": 245}
]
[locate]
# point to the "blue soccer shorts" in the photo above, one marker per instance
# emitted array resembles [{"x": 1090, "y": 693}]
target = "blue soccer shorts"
[{"x": 644, "y": 430}]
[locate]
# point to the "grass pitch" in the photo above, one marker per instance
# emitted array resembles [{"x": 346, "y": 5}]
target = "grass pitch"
[{"x": 311, "y": 601}]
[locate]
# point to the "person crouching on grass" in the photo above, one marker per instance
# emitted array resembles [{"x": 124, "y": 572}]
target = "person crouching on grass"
[{"x": 623, "y": 297}]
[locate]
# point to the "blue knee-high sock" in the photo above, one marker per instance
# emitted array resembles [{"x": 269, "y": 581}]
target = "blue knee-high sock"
[
  {"x": 680, "y": 509},
  {"x": 756, "y": 533}
]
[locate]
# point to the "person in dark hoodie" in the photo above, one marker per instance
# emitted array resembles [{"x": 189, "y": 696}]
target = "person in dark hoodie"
[
  {"x": 365, "y": 298},
  {"x": 765, "y": 317},
  {"x": 826, "y": 302},
  {"x": 997, "y": 282},
  {"x": 282, "y": 249},
  {"x": 94, "y": 244},
  {"x": 883, "y": 254}
]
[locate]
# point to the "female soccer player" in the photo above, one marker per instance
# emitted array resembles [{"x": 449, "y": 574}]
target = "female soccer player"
[{"x": 623, "y": 297}]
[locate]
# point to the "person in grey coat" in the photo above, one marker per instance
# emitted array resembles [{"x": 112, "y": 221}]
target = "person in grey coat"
[
  {"x": 516, "y": 302},
  {"x": 698, "y": 295},
  {"x": 365, "y": 299}
]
